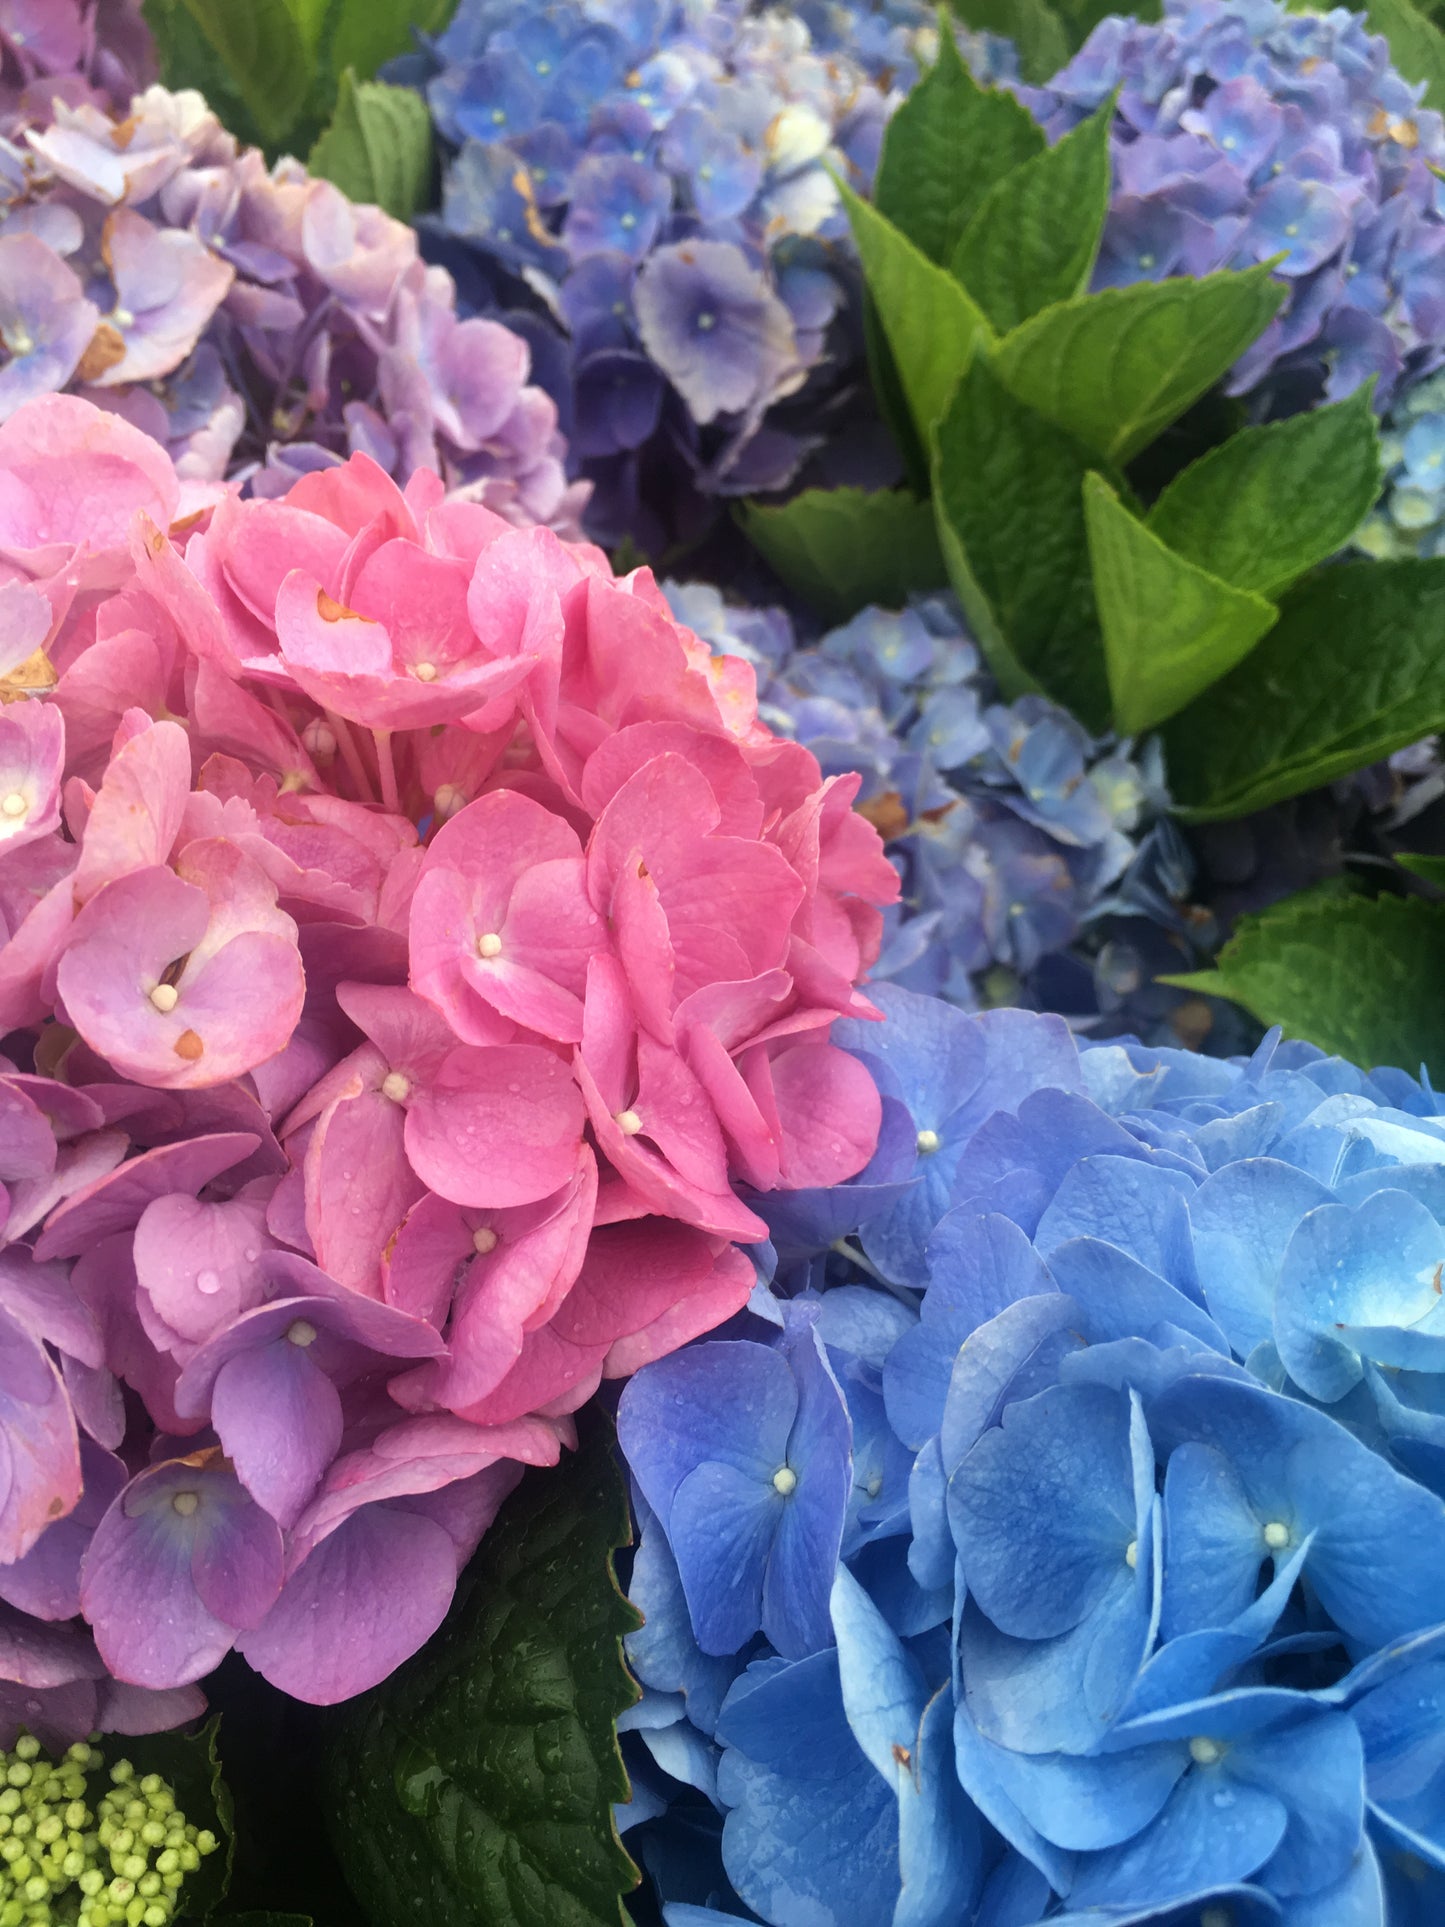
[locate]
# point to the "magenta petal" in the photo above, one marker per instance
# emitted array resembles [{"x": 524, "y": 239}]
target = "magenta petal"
[
  {"x": 46, "y": 1582},
  {"x": 97, "y": 1401},
  {"x": 365, "y": 1599},
  {"x": 199, "y": 1263},
  {"x": 39, "y": 1446},
  {"x": 278, "y": 1416},
  {"x": 140, "y": 1709},
  {"x": 42, "y": 1298},
  {"x": 828, "y": 1111},
  {"x": 498, "y": 1126}
]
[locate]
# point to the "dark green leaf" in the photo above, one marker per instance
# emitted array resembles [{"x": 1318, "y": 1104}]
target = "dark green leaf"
[
  {"x": 475, "y": 1787},
  {"x": 1115, "y": 368},
  {"x": 1008, "y": 496},
  {"x": 187, "y": 59},
  {"x": 264, "y": 55},
  {"x": 378, "y": 146},
  {"x": 1417, "y": 46},
  {"x": 841, "y": 548},
  {"x": 893, "y": 403},
  {"x": 1033, "y": 240},
  {"x": 263, "y": 1920},
  {"x": 931, "y": 325},
  {"x": 371, "y": 31},
  {"x": 1430, "y": 869},
  {"x": 191, "y": 1767},
  {"x": 1352, "y": 671},
  {"x": 948, "y": 143},
  {"x": 1272, "y": 502},
  {"x": 1034, "y": 27},
  {"x": 1080, "y": 17},
  {"x": 1170, "y": 629},
  {"x": 1357, "y": 977}
]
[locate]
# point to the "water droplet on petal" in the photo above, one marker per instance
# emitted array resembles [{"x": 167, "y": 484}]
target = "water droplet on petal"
[{"x": 208, "y": 1282}]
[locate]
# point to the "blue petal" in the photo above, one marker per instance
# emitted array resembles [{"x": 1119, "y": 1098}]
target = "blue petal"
[
  {"x": 1137, "y": 1208},
  {"x": 1243, "y": 1217},
  {"x": 1197, "y": 1842},
  {"x": 988, "y": 1367},
  {"x": 723, "y": 1526},
  {"x": 1121, "y": 1298},
  {"x": 663, "y": 1652},
  {"x": 810, "y": 1527},
  {"x": 730, "y": 1401},
  {"x": 1216, "y": 1542}
]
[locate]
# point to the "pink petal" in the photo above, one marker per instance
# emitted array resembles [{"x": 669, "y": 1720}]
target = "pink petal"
[{"x": 497, "y": 1126}]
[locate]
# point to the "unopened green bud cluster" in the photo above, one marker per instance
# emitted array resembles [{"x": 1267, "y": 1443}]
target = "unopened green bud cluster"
[{"x": 70, "y": 1859}]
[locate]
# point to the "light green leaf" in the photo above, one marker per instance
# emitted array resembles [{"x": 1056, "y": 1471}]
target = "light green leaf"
[
  {"x": 947, "y": 144},
  {"x": 1007, "y": 491},
  {"x": 1358, "y": 977},
  {"x": 264, "y": 54},
  {"x": 1430, "y": 869},
  {"x": 1170, "y": 629},
  {"x": 931, "y": 325},
  {"x": 1271, "y": 502},
  {"x": 1034, "y": 238},
  {"x": 1035, "y": 28},
  {"x": 475, "y": 1786},
  {"x": 1115, "y": 368},
  {"x": 1417, "y": 46},
  {"x": 842, "y": 548},
  {"x": 378, "y": 146},
  {"x": 310, "y": 18},
  {"x": 371, "y": 31},
  {"x": 1352, "y": 671}
]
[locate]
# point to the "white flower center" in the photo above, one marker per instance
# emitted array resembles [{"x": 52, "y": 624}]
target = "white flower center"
[
  {"x": 302, "y": 1333},
  {"x": 1131, "y": 1554},
  {"x": 928, "y": 1142},
  {"x": 1205, "y": 1752},
  {"x": 489, "y": 945},
  {"x": 629, "y": 1123},
  {"x": 1276, "y": 1536},
  {"x": 185, "y": 1503},
  {"x": 484, "y": 1239},
  {"x": 448, "y": 800},
  {"x": 165, "y": 997},
  {"x": 425, "y": 672},
  {"x": 12, "y": 805},
  {"x": 785, "y": 1481},
  {"x": 396, "y": 1086}
]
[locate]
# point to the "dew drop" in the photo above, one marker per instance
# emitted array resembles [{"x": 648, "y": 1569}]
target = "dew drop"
[{"x": 208, "y": 1282}]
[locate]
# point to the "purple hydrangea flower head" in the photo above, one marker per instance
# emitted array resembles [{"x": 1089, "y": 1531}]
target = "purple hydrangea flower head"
[
  {"x": 1245, "y": 132},
  {"x": 254, "y": 321},
  {"x": 1155, "y": 1636},
  {"x": 695, "y": 147}
]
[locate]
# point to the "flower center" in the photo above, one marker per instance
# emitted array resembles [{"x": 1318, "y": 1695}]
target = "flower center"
[
  {"x": 928, "y": 1142},
  {"x": 484, "y": 1239},
  {"x": 165, "y": 997},
  {"x": 1205, "y": 1752},
  {"x": 123, "y": 318},
  {"x": 185, "y": 1503},
  {"x": 425, "y": 672},
  {"x": 706, "y": 321},
  {"x": 12, "y": 805},
  {"x": 448, "y": 800},
  {"x": 629, "y": 1123},
  {"x": 489, "y": 945},
  {"x": 396, "y": 1086},
  {"x": 628, "y": 222},
  {"x": 302, "y": 1332},
  {"x": 785, "y": 1481},
  {"x": 1131, "y": 1554},
  {"x": 1276, "y": 1536}
]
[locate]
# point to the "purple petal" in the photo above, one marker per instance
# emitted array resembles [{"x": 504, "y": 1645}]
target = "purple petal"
[
  {"x": 116, "y": 1201},
  {"x": 278, "y": 1416}
]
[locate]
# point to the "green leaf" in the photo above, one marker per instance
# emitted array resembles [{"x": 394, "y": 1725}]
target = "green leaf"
[
  {"x": 1358, "y": 977},
  {"x": 378, "y": 146},
  {"x": 1430, "y": 869},
  {"x": 1271, "y": 502},
  {"x": 931, "y": 325},
  {"x": 949, "y": 141},
  {"x": 1080, "y": 17},
  {"x": 1035, "y": 28},
  {"x": 887, "y": 386},
  {"x": 371, "y": 31},
  {"x": 1034, "y": 238},
  {"x": 1170, "y": 629},
  {"x": 264, "y": 55},
  {"x": 842, "y": 548},
  {"x": 1417, "y": 46},
  {"x": 475, "y": 1787},
  {"x": 191, "y": 1766},
  {"x": 1352, "y": 671},
  {"x": 1116, "y": 367},
  {"x": 187, "y": 59},
  {"x": 1008, "y": 496},
  {"x": 310, "y": 18},
  {"x": 263, "y": 1919}
]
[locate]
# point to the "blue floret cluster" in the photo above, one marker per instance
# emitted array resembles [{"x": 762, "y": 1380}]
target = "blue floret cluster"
[
  {"x": 1059, "y": 1535},
  {"x": 1008, "y": 822},
  {"x": 1245, "y": 132}
]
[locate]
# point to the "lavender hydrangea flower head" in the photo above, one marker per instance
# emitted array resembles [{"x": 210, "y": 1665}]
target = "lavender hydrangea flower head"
[
  {"x": 655, "y": 186},
  {"x": 1008, "y": 823},
  {"x": 254, "y": 321},
  {"x": 1245, "y": 132}
]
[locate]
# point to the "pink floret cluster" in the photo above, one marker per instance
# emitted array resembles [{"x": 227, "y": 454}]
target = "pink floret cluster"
[{"x": 413, "y": 949}]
